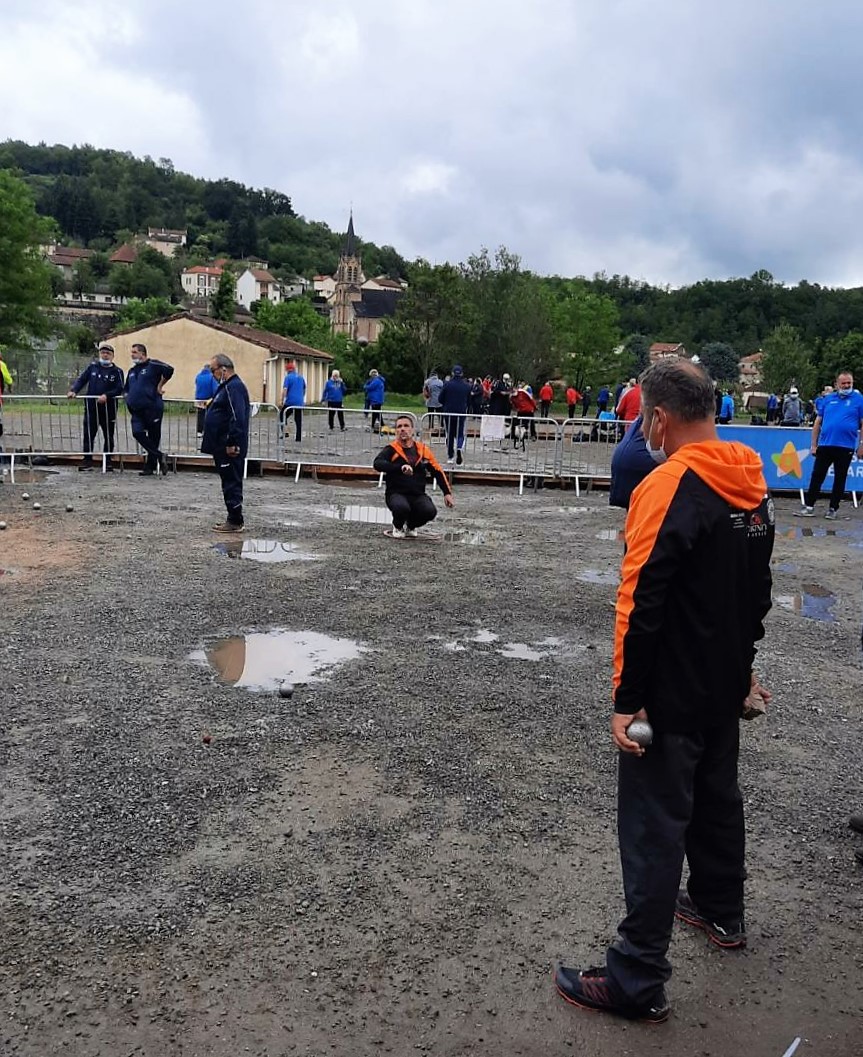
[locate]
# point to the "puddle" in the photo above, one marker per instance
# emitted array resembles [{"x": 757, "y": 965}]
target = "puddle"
[
  {"x": 465, "y": 536},
  {"x": 264, "y": 551},
  {"x": 581, "y": 509},
  {"x": 599, "y": 576},
  {"x": 613, "y": 535},
  {"x": 264, "y": 660},
  {"x": 117, "y": 521},
  {"x": 484, "y": 635},
  {"x": 785, "y": 567},
  {"x": 367, "y": 514},
  {"x": 28, "y": 476},
  {"x": 520, "y": 651},
  {"x": 454, "y": 647},
  {"x": 812, "y": 601},
  {"x": 795, "y": 532}
]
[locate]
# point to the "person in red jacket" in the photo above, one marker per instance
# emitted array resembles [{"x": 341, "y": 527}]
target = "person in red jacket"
[
  {"x": 572, "y": 398},
  {"x": 524, "y": 406},
  {"x": 629, "y": 406},
  {"x": 546, "y": 396}
]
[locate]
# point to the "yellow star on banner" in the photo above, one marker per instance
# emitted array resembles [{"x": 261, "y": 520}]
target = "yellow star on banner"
[{"x": 788, "y": 461}]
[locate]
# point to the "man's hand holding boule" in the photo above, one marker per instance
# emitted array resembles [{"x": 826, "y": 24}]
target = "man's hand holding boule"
[{"x": 619, "y": 723}]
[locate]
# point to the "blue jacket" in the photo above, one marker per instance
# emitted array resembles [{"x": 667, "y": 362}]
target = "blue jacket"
[
  {"x": 334, "y": 392},
  {"x": 374, "y": 389},
  {"x": 727, "y": 408},
  {"x": 630, "y": 464},
  {"x": 100, "y": 381},
  {"x": 454, "y": 396},
  {"x": 226, "y": 424},
  {"x": 142, "y": 385},
  {"x": 205, "y": 385},
  {"x": 293, "y": 390}
]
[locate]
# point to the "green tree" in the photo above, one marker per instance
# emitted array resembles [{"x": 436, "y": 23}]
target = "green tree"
[
  {"x": 25, "y": 278},
  {"x": 297, "y": 319},
  {"x": 721, "y": 361},
  {"x": 136, "y": 312},
  {"x": 587, "y": 336},
  {"x": 787, "y": 361},
  {"x": 224, "y": 303},
  {"x": 83, "y": 279},
  {"x": 638, "y": 347},
  {"x": 841, "y": 354}
]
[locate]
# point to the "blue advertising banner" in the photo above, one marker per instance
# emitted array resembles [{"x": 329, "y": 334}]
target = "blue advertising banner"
[{"x": 786, "y": 456}]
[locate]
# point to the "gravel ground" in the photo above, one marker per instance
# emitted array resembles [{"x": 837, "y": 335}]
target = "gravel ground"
[{"x": 392, "y": 860}]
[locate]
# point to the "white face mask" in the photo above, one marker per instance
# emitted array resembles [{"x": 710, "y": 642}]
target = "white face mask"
[
  {"x": 846, "y": 390},
  {"x": 657, "y": 454}
]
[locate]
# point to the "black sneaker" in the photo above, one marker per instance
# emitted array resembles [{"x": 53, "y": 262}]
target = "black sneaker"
[
  {"x": 146, "y": 473},
  {"x": 591, "y": 989},
  {"x": 459, "y": 458},
  {"x": 87, "y": 464},
  {"x": 730, "y": 936}
]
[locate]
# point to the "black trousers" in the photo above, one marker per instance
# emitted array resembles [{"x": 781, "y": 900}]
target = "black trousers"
[
  {"x": 544, "y": 408},
  {"x": 335, "y": 409},
  {"x": 526, "y": 420},
  {"x": 147, "y": 431},
  {"x": 827, "y": 455},
  {"x": 680, "y": 799},
  {"x": 377, "y": 417},
  {"x": 297, "y": 412},
  {"x": 411, "y": 511},
  {"x": 202, "y": 414},
  {"x": 99, "y": 416},
  {"x": 230, "y": 468}
]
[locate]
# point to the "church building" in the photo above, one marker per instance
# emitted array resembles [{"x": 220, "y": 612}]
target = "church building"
[{"x": 359, "y": 306}]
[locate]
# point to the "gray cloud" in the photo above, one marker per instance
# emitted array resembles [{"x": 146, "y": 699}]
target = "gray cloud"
[{"x": 666, "y": 141}]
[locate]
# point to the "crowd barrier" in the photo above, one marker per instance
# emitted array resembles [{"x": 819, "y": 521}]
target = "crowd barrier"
[{"x": 530, "y": 449}]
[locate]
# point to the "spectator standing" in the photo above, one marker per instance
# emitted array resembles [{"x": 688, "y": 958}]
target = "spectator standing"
[
  {"x": 5, "y": 383},
  {"x": 792, "y": 408},
  {"x": 143, "y": 388},
  {"x": 699, "y": 537},
  {"x": 293, "y": 400},
  {"x": 585, "y": 401},
  {"x": 226, "y": 438},
  {"x": 630, "y": 464},
  {"x": 432, "y": 387},
  {"x": 454, "y": 400},
  {"x": 629, "y": 406},
  {"x": 572, "y": 398},
  {"x": 726, "y": 408},
  {"x": 205, "y": 389},
  {"x": 334, "y": 397},
  {"x": 104, "y": 382},
  {"x": 772, "y": 408},
  {"x": 499, "y": 402},
  {"x": 477, "y": 397},
  {"x": 524, "y": 407},
  {"x": 836, "y": 436},
  {"x": 546, "y": 398},
  {"x": 375, "y": 390},
  {"x": 602, "y": 398}
]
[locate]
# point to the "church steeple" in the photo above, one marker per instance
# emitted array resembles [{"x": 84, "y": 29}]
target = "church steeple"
[
  {"x": 349, "y": 280},
  {"x": 349, "y": 249}
]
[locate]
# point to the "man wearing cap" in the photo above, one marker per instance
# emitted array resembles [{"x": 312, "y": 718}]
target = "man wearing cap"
[
  {"x": 407, "y": 465},
  {"x": 144, "y": 384},
  {"x": 226, "y": 437},
  {"x": 293, "y": 400},
  {"x": 454, "y": 399},
  {"x": 104, "y": 382},
  {"x": 792, "y": 409}
]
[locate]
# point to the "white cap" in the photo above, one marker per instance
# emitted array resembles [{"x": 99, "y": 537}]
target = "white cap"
[{"x": 792, "y": 391}]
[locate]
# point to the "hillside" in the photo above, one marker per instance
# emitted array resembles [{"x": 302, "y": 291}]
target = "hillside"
[{"x": 100, "y": 198}]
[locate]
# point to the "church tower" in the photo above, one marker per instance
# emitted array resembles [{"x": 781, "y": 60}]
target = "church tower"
[{"x": 349, "y": 280}]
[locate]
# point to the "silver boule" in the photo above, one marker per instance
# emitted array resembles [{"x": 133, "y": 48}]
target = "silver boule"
[
  {"x": 2, "y": 525},
  {"x": 640, "y": 730},
  {"x": 37, "y": 506},
  {"x": 286, "y": 690},
  {"x": 69, "y": 508},
  {"x": 25, "y": 496}
]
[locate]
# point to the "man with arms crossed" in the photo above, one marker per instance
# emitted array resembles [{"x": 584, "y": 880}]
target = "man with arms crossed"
[{"x": 694, "y": 591}]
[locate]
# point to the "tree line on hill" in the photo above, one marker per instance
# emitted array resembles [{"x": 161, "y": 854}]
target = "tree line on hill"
[{"x": 488, "y": 313}]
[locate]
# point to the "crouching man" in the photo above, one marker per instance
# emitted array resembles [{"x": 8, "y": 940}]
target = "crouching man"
[
  {"x": 226, "y": 437},
  {"x": 408, "y": 465}
]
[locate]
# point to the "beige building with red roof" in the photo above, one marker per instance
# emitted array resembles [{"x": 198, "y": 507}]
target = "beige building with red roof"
[
  {"x": 261, "y": 358},
  {"x": 202, "y": 280},
  {"x": 668, "y": 350},
  {"x": 258, "y": 284}
]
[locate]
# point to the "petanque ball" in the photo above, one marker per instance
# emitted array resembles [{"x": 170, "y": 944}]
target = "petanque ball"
[
  {"x": 641, "y": 731},
  {"x": 2, "y": 525},
  {"x": 286, "y": 690},
  {"x": 25, "y": 496},
  {"x": 69, "y": 508},
  {"x": 37, "y": 506}
]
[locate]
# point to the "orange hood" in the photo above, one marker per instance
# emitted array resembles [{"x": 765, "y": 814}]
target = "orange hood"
[{"x": 729, "y": 468}]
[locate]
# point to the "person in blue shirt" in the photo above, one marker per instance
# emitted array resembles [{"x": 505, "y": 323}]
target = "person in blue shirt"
[
  {"x": 104, "y": 382},
  {"x": 205, "y": 389},
  {"x": 836, "y": 436},
  {"x": 630, "y": 464},
  {"x": 334, "y": 397},
  {"x": 454, "y": 397},
  {"x": 293, "y": 400},
  {"x": 226, "y": 437},
  {"x": 772, "y": 408},
  {"x": 602, "y": 398},
  {"x": 726, "y": 408},
  {"x": 374, "y": 390},
  {"x": 144, "y": 384}
]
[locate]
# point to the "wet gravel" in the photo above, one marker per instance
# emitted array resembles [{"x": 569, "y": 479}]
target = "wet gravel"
[{"x": 391, "y": 860}]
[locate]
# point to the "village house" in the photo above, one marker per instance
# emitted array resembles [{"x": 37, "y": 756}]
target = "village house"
[
  {"x": 202, "y": 280},
  {"x": 258, "y": 284},
  {"x": 188, "y": 342},
  {"x": 665, "y": 350},
  {"x": 166, "y": 240}
]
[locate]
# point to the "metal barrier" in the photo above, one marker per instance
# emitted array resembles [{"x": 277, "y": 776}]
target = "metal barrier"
[
  {"x": 323, "y": 441},
  {"x": 585, "y": 448}
]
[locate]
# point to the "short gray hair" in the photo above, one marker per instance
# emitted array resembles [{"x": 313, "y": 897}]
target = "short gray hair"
[
  {"x": 223, "y": 361},
  {"x": 680, "y": 387}
]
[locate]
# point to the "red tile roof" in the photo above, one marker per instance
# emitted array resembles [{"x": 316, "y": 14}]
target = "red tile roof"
[
  {"x": 666, "y": 346},
  {"x": 126, "y": 254},
  {"x": 202, "y": 269},
  {"x": 262, "y": 276}
]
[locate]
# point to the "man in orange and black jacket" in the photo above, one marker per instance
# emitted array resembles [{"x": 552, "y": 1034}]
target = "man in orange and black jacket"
[
  {"x": 408, "y": 466},
  {"x": 695, "y": 588}
]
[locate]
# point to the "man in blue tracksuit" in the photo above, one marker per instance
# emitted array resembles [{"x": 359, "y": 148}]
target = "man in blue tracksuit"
[
  {"x": 837, "y": 436},
  {"x": 205, "y": 389},
  {"x": 104, "y": 382},
  {"x": 293, "y": 399},
  {"x": 226, "y": 437},
  {"x": 144, "y": 384},
  {"x": 374, "y": 389},
  {"x": 453, "y": 404}
]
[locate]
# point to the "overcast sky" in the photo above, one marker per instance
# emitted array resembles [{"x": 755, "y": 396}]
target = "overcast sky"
[{"x": 669, "y": 140}]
